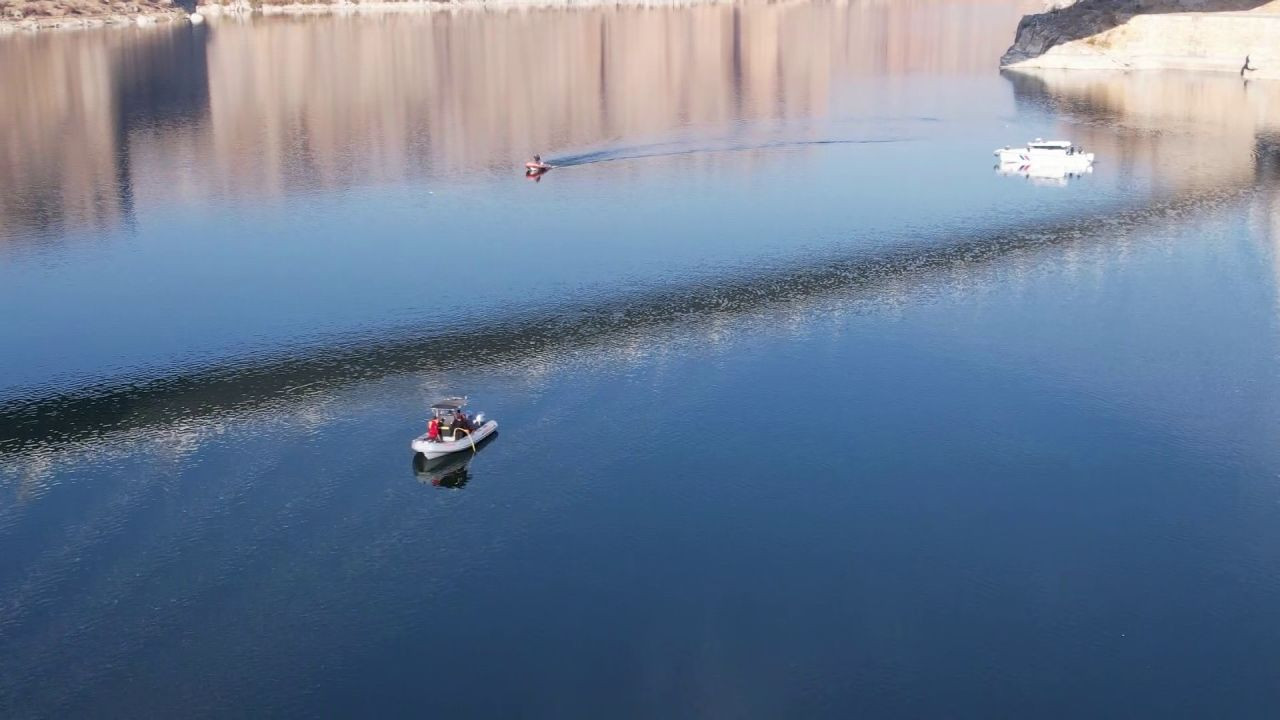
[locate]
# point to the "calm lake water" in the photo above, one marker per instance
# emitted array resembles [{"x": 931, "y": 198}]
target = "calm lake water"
[{"x": 805, "y": 409}]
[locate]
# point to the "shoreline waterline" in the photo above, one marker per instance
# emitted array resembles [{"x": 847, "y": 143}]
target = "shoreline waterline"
[{"x": 241, "y": 10}]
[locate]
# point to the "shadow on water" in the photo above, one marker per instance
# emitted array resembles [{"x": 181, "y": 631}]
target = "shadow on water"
[
  {"x": 674, "y": 149},
  {"x": 451, "y": 471},
  {"x": 63, "y": 416}
]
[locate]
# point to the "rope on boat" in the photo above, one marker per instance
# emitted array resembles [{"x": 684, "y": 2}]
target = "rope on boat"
[{"x": 468, "y": 432}]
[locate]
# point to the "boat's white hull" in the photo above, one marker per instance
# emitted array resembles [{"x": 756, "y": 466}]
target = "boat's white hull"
[
  {"x": 432, "y": 450},
  {"x": 1044, "y": 174},
  {"x": 1075, "y": 162}
]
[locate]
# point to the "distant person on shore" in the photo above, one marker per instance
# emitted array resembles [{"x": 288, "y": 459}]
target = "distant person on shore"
[{"x": 1245, "y": 66}]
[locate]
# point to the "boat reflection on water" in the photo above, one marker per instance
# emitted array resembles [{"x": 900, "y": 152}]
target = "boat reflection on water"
[
  {"x": 451, "y": 471},
  {"x": 1049, "y": 175}
]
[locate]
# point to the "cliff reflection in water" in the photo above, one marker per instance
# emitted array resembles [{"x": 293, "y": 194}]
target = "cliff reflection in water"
[
  {"x": 1202, "y": 133},
  {"x": 71, "y": 107},
  {"x": 1197, "y": 130},
  {"x": 92, "y": 123}
]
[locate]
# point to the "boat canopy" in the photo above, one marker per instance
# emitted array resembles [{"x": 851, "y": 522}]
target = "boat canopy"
[
  {"x": 450, "y": 404},
  {"x": 1051, "y": 144}
]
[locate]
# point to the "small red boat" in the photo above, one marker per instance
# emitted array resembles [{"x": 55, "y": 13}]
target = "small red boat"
[{"x": 536, "y": 166}]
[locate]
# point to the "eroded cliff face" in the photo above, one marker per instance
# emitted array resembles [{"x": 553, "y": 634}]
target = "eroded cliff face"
[
  {"x": 40, "y": 14},
  {"x": 1212, "y": 35}
]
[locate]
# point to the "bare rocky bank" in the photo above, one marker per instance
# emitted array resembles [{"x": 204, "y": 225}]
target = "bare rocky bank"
[
  {"x": 29, "y": 15},
  {"x": 51, "y": 14},
  {"x": 1214, "y": 35}
]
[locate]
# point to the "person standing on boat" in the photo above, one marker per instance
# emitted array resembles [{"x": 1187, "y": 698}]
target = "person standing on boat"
[{"x": 433, "y": 430}]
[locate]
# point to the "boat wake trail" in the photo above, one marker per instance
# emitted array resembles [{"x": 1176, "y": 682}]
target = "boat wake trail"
[{"x": 674, "y": 149}]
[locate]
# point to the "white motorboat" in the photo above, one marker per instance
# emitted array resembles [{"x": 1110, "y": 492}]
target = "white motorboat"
[
  {"x": 1048, "y": 153},
  {"x": 451, "y": 431}
]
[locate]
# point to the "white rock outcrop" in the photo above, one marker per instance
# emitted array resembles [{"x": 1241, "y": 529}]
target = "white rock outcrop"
[{"x": 1216, "y": 35}]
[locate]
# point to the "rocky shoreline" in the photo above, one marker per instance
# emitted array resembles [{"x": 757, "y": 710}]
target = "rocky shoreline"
[
  {"x": 163, "y": 11},
  {"x": 125, "y": 18},
  {"x": 1209, "y": 35}
]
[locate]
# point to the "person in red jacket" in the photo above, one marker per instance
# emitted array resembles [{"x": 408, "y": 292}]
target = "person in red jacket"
[{"x": 433, "y": 430}]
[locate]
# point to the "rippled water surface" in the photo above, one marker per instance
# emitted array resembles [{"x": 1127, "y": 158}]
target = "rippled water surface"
[{"x": 805, "y": 409}]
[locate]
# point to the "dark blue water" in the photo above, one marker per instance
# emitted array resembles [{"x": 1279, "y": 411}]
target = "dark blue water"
[{"x": 805, "y": 411}]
